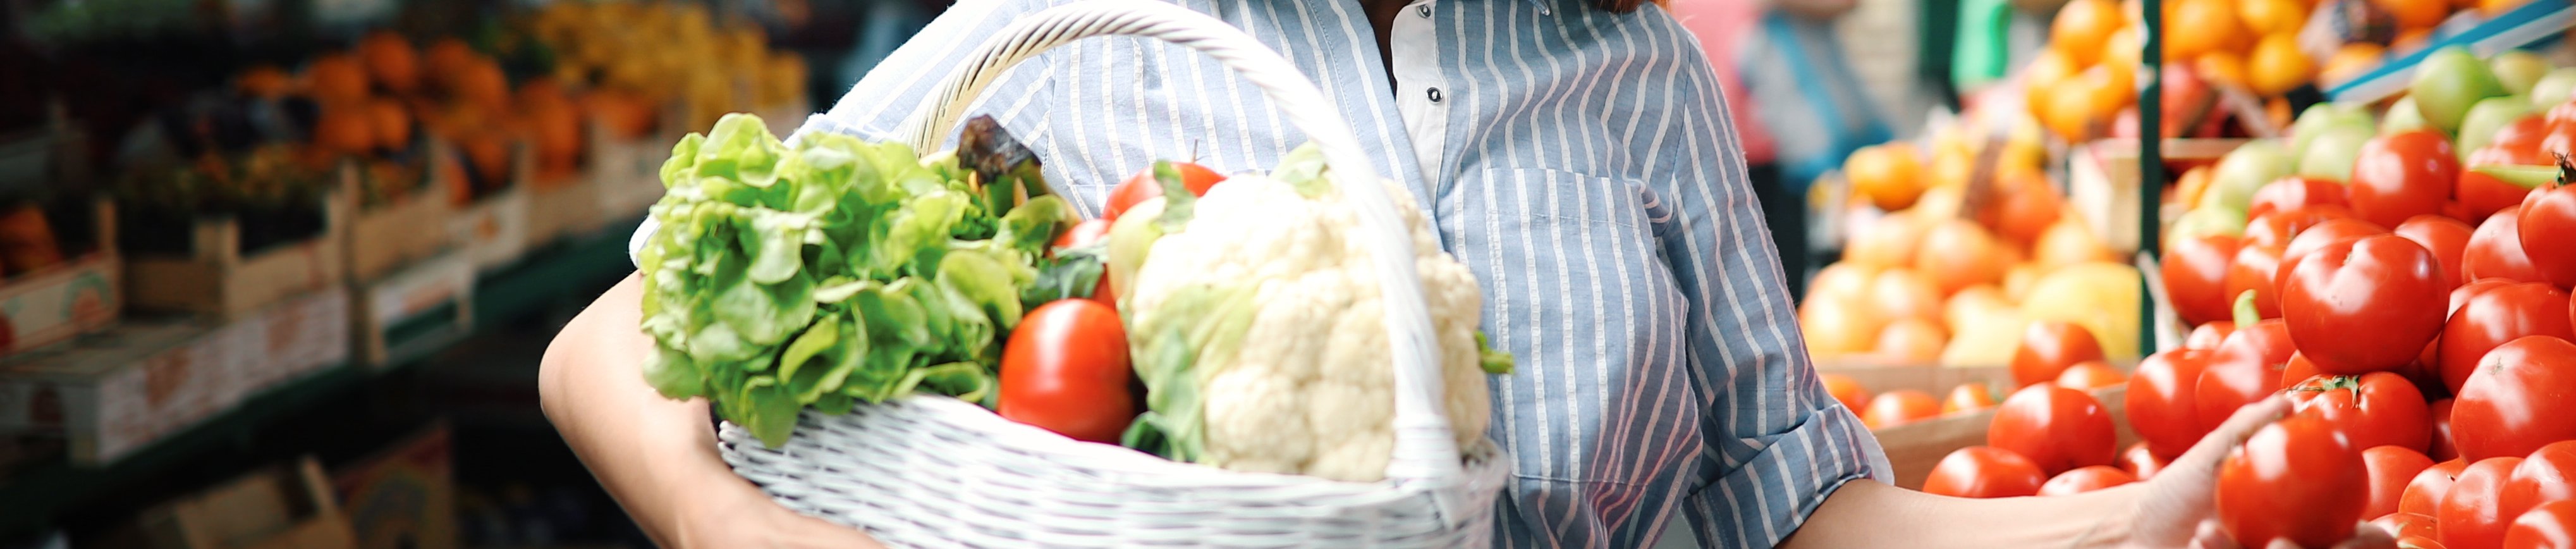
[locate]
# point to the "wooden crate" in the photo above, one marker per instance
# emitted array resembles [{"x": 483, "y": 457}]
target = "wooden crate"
[
  {"x": 79, "y": 296},
  {"x": 403, "y": 497},
  {"x": 108, "y": 395},
  {"x": 220, "y": 278},
  {"x": 494, "y": 230},
  {"x": 1914, "y": 448},
  {"x": 383, "y": 239},
  {"x": 412, "y": 312},
  {"x": 628, "y": 172},
  {"x": 287, "y": 507}
]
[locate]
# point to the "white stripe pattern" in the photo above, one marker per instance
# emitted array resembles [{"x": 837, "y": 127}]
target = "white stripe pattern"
[{"x": 1589, "y": 176}]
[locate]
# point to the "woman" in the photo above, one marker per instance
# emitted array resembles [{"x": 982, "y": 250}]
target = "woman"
[{"x": 1578, "y": 158}]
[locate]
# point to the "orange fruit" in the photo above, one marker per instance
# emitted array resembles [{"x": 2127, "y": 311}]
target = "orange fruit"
[
  {"x": 489, "y": 153},
  {"x": 335, "y": 78},
  {"x": 2277, "y": 66},
  {"x": 1837, "y": 327},
  {"x": 345, "y": 128},
  {"x": 1969, "y": 397},
  {"x": 449, "y": 56},
  {"x": 1847, "y": 391},
  {"x": 1911, "y": 342},
  {"x": 2493, "y": 7},
  {"x": 2028, "y": 205},
  {"x": 2109, "y": 88},
  {"x": 2068, "y": 242},
  {"x": 1890, "y": 175},
  {"x": 481, "y": 83},
  {"x": 2350, "y": 61},
  {"x": 2090, "y": 375},
  {"x": 2201, "y": 26},
  {"x": 391, "y": 121},
  {"x": 2409, "y": 40},
  {"x": 1843, "y": 280},
  {"x": 2188, "y": 188},
  {"x": 2266, "y": 17},
  {"x": 2415, "y": 14},
  {"x": 2065, "y": 109},
  {"x": 625, "y": 115},
  {"x": 1976, "y": 302},
  {"x": 1899, "y": 407},
  {"x": 1959, "y": 253},
  {"x": 390, "y": 61},
  {"x": 264, "y": 81},
  {"x": 2223, "y": 67},
  {"x": 2048, "y": 68},
  {"x": 2123, "y": 48},
  {"x": 1887, "y": 242},
  {"x": 2081, "y": 26},
  {"x": 1903, "y": 294}
]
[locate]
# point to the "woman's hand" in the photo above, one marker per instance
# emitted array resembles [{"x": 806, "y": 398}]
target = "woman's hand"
[
  {"x": 740, "y": 516},
  {"x": 2176, "y": 508}
]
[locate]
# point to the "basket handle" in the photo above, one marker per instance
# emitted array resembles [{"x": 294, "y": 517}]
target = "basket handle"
[{"x": 1425, "y": 451}]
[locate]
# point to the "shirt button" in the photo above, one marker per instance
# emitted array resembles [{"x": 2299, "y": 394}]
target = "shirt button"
[
  {"x": 1435, "y": 95},
  {"x": 1424, "y": 10}
]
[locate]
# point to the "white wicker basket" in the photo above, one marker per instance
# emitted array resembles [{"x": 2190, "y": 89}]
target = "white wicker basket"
[{"x": 929, "y": 471}]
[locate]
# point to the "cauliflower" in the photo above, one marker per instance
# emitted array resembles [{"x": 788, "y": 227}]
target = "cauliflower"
[{"x": 1257, "y": 326}]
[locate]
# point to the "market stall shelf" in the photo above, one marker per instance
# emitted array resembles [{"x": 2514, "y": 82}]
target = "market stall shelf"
[
  {"x": 383, "y": 238},
  {"x": 492, "y": 228},
  {"x": 278, "y": 508},
  {"x": 413, "y": 312},
  {"x": 223, "y": 274}
]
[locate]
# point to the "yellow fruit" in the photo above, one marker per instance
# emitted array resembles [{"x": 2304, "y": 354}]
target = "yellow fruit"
[
  {"x": 2277, "y": 66},
  {"x": 1889, "y": 175},
  {"x": 2099, "y": 295},
  {"x": 2081, "y": 27},
  {"x": 2068, "y": 242}
]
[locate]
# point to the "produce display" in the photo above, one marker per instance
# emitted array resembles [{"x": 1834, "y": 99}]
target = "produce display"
[{"x": 840, "y": 272}]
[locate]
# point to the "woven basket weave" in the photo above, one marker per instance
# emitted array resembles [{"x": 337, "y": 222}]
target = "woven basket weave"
[{"x": 931, "y": 471}]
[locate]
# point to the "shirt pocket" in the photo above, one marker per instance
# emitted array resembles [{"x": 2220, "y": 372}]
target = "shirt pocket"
[{"x": 1576, "y": 289}]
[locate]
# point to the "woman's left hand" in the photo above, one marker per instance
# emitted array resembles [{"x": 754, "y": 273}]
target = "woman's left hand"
[{"x": 2176, "y": 510}]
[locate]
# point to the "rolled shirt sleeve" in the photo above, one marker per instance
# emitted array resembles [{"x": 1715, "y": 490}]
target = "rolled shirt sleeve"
[{"x": 1775, "y": 444}]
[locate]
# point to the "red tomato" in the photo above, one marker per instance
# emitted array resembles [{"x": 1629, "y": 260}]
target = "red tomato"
[
  {"x": 2277, "y": 228},
  {"x": 2501, "y": 313},
  {"x": 1968, "y": 397},
  {"x": 2471, "y": 515},
  {"x": 2495, "y": 250},
  {"x": 2159, "y": 401},
  {"x": 2460, "y": 296},
  {"x": 2298, "y": 370},
  {"x": 1899, "y": 407},
  {"x": 2290, "y": 194},
  {"x": 2365, "y": 305},
  {"x": 2402, "y": 175},
  {"x": 2327, "y": 233},
  {"x": 2195, "y": 276},
  {"x": 2548, "y": 474},
  {"x": 1984, "y": 472},
  {"x": 2408, "y": 525},
  {"x": 2443, "y": 448},
  {"x": 2424, "y": 494},
  {"x": 2086, "y": 479},
  {"x": 1065, "y": 370},
  {"x": 2243, "y": 371},
  {"x": 2090, "y": 375},
  {"x": 1088, "y": 232},
  {"x": 2548, "y": 218},
  {"x": 2048, "y": 347},
  {"x": 2141, "y": 462},
  {"x": 2373, "y": 409},
  {"x": 2515, "y": 144},
  {"x": 2254, "y": 270},
  {"x": 2294, "y": 480},
  {"x": 1847, "y": 391},
  {"x": 2447, "y": 238},
  {"x": 2209, "y": 335},
  {"x": 2391, "y": 469},
  {"x": 1141, "y": 187},
  {"x": 2419, "y": 542},
  {"x": 2513, "y": 404},
  {"x": 2058, "y": 428},
  {"x": 2549, "y": 526}
]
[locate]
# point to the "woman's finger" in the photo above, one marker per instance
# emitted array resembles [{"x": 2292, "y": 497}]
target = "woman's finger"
[
  {"x": 2239, "y": 426},
  {"x": 2210, "y": 536}
]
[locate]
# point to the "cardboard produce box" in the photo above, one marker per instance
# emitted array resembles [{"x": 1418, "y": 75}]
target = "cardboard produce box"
[
  {"x": 404, "y": 497},
  {"x": 78, "y": 296},
  {"x": 218, "y": 276},
  {"x": 277, "y": 508},
  {"x": 1914, "y": 448},
  {"x": 116, "y": 392},
  {"x": 425, "y": 306}
]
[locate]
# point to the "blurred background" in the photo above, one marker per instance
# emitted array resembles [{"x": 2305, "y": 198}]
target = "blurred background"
[{"x": 279, "y": 271}]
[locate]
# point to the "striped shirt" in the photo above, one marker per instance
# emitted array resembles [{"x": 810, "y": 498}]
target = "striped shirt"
[{"x": 1580, "y": 162}]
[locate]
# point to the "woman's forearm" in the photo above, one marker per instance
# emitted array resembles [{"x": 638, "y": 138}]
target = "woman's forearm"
[
  {"x": 1870, "y": 514},
  {"x": 644, "y": 449}
]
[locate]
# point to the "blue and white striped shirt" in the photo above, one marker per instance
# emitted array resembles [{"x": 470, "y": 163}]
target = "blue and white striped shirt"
[{"x": 1580, "y": 162}]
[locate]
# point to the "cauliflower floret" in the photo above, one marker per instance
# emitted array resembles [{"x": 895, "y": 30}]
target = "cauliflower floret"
[{"x": 1297, "y": 380}]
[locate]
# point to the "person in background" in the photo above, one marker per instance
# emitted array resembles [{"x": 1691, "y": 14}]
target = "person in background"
[{"x": 1797, "y": 105}]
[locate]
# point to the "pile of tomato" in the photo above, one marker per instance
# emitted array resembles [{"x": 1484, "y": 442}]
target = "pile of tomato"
[{"x": 2419, "y": 320}]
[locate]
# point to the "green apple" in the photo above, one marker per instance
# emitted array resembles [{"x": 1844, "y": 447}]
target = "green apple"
[
  {"x": 2208, "y": 220},
  {"x": 2554, "y": 88},
  {"x": 2330, "y": 157},
  {"x": 2243, "y": 171},
  {"x": 2518, "y": 70},
  {"x": 2490, "y": 115},
  {"x": 2403, "y": 116},
  {"x": 2448, "y": 82},
  {"x": 2318, "y": 117}
]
